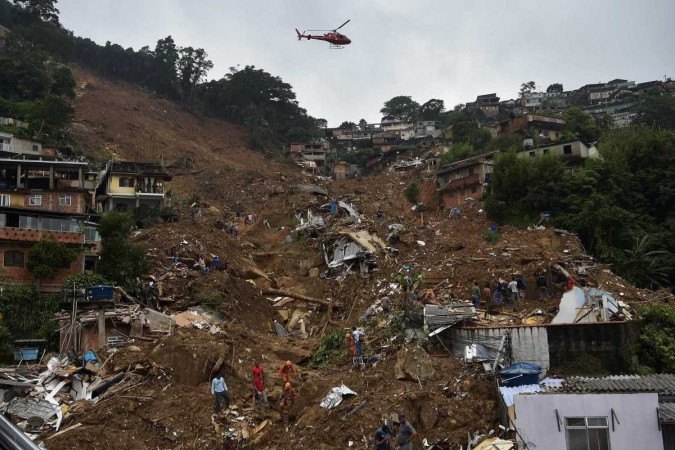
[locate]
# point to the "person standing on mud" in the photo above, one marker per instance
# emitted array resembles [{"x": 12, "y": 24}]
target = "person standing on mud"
[
  {"x": 219, "y": 390},
  {"x": 406, "y": 433},
  {"x": 287, "y": 371},
  {"x": 349, "y": 339},
  {"x": 382, "y": 437},
  {"x": 288, "y": 397},
  {"x": 475, "y": 294},
  {"x": 258, "y": 375},
  {"x": 487, "y": 298},
  {"x": 358, "y": 341}
]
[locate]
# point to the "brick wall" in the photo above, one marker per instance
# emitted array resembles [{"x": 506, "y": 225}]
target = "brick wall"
[
  {"x": 22, "y": 275},
  {"x": 51, "y": 202}
]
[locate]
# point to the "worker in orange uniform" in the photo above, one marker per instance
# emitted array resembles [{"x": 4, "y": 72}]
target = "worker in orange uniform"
[
  {"x": 287, "y": 371},
  {"x": 349, "y": 339},
  {"x": 288, "y": 397}
]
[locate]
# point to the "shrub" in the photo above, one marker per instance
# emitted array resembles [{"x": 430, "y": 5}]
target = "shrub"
[
  {"x": 657, "y": 338},
  {"x": 332, "y": 347},
  {"x": 412, "y": 193}
]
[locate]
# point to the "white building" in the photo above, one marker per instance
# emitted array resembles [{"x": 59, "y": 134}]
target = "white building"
[
  {"x": 623, "y": 412},
  {"x": 11, "y": 144}
]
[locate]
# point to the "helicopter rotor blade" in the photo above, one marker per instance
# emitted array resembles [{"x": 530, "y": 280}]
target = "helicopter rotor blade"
[{"x": 348, "y": 20}]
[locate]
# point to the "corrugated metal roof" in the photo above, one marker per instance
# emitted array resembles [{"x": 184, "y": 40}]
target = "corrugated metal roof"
[
  {"x": 667, "y": 412},
  {"x": 663, "y": 384},
  {"x": 508, "y": 393}
]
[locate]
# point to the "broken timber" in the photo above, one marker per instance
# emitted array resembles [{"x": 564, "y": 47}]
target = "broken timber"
[{"x": 303, "y": 298}]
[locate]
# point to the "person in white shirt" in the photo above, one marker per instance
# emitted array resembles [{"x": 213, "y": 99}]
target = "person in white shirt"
[
  {"x": 513, "y": 291},
  {"x": 219, "y": 390}
]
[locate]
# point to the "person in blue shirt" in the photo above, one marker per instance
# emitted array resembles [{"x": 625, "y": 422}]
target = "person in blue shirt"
[
  {"x": 219, "y": 390},
  {"x": 382, "y": 437}
]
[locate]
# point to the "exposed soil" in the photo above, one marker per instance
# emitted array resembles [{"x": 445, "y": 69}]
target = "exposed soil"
[{"x": 171, "y": 406}]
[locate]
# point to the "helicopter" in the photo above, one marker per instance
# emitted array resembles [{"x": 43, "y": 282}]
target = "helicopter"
[{"x": 335, "y": 39}]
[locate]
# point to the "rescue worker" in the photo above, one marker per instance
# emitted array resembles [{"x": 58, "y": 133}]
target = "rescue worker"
[
  {"x": 258, "y": 376},
  {"x": 287, "y": 397},
  {"x": 287, "y": 371},
  {"x": 349, "y": 339}
]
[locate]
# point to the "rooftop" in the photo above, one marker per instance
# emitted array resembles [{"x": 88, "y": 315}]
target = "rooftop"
[
  {"x": 465, "y": 162},
  {"x": 140, "y": 168},
  {"x": 663, "y": 384}
]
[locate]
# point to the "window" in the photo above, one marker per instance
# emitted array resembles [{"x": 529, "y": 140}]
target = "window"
[
  {"x": 470, "y": 170},
  {"x": 91, "y": 235},
  {"x": 35, "y": 148},
  {"x": 13, "y": 259},
  {"x": 5, "y": 200},
  {"x": 28, "y": 222},
  {"x": 126, "y": 182},
  {"x": 65, "y": 200},
  {"x": 587, "y": 433},
  {"x": 35, "y": 200},
  {"x": 54, "y": 224},
  {"x": 567, "y": 149}
]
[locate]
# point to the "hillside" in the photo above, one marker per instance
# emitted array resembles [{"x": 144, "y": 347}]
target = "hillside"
[
  {"x": 209, "y": 157},
  {"x": 164, "y": 401}
]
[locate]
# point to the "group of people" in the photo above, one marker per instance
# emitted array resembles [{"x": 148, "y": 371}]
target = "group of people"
[
  {"x": 404, "y": 437},
  {"x": 286, "y": 372}
]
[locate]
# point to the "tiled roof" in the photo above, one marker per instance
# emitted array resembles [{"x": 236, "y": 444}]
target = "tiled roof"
[
  {"x": 663, "y": 384},
  {"x": 667, "y": 412}
]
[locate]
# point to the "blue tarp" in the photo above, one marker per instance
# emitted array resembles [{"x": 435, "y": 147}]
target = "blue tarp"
[{"x": 520, "y": 373}]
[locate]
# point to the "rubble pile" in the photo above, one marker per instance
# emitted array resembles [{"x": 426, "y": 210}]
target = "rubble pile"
[{"x": 266, "y": 264}]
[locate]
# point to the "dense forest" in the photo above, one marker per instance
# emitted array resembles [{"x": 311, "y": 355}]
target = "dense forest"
[{"x": 35, "y": 82}]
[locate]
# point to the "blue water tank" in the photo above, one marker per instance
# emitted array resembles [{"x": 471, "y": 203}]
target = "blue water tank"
[
  {"x": 100, "y": 292},
  {"x": 519, "y": 374}
]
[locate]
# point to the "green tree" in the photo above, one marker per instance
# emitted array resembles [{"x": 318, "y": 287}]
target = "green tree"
[
  {"x": 458, "y": 152},
  {"x": 63, "y": 82},
  {"x": 363, "y": 125},
  {"x": 121, "y": 261},
  {"x": 527, "y": 88},
  {"x": 347, "y": 125},
  {"x": 658, "y": 111},
  {"x": 431, "y": 109},
  {"x": 192, "y": 65},
  {"x": 646, "y": 267},
  {"x": 657, "y": 338},
  {"x": 555, "y": 87},
  {"x": 402, "y": 107},
  {"x": 43, "y": 9},
  {"x": 47, "y": 257},
  {"x": 580, "y": 125}
]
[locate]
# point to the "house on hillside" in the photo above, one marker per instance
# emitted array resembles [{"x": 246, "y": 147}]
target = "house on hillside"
[
  {"x": 312, "y": 153},
  {"x": 4, "y": 32},
  {"x": 463, "y": 179},
  {"x": 547, "y": 128},
  {"x": 426, "y": 128},
  {"x": 42, "y": 198},
  {"x": 488, "y": 104},
  {"x": 129, "y": 185},
  {"x": 572, "y": 153},
  {"x": 620, "y": 412},
  {"x": 11, "y": 144}
]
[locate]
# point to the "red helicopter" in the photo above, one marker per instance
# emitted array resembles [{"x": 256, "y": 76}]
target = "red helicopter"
[{"x": 335, "y": 39}]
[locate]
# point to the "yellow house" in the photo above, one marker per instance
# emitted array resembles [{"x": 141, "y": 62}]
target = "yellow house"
[{"x": 128, "y": 185}]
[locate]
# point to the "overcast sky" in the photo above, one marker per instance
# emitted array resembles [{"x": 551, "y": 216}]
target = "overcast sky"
[{"x": 452, "y": 50}]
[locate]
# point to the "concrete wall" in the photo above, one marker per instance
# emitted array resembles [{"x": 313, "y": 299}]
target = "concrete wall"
[
  {"x": 609, "y": 342},
  {"x": 529, "y": 344},
  {"x": 638, "y": 429},
  {"x": 554, "y": 347}
]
